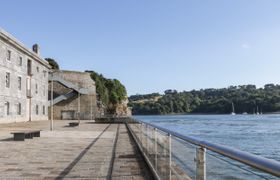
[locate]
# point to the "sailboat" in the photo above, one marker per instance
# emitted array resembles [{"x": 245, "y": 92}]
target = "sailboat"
[{"x": 232, "y": 113}]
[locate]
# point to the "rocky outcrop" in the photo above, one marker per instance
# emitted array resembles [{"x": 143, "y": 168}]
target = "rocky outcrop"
[{"x": 122, "y": 110}]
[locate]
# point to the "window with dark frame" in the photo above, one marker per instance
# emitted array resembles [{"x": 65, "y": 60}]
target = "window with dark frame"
[
  {"x": 19, "y": 83},
  {"x": 20, "y": 61},
  {"x": 36, "y": 88},
  {"x": 8, "y": 79},
  {"x": 7, "y": 106},
  {"x": 8, "y": 55},
  {"x": 19, "y": 109},
  {"x": 44, "y": 90},
  {"x": 37, "y": 109},
  {"x": 29, "y": 67}
]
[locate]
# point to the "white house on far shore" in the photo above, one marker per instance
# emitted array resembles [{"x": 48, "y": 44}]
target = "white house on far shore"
[{"x": 23, "y": 81}]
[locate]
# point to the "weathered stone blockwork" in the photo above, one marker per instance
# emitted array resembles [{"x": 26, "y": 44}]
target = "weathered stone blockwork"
[
  {"x": 23, "y": 90},
  {"x": 76, "y": 84}
]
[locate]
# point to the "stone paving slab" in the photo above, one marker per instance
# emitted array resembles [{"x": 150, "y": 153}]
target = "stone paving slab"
[{"x": 90, "y": 151}]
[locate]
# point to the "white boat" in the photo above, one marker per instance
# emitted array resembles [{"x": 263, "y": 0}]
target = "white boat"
[
  {"x": 257, "y": 110},
  {"x": 232, "y": 113}
]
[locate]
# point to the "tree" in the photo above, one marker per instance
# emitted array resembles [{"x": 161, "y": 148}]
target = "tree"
[
  {"x": 246, "y": 98},
  {"x": 110, "y": 91},
  {"x": 52, "y": 63}
]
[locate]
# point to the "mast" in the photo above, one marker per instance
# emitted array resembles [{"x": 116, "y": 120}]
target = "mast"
[{"x": 232, "y": 113}]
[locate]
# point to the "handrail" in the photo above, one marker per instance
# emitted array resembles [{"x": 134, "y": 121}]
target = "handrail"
[
  {"x": 62, "y": 97},
  {"x": 266, "y": 165}
]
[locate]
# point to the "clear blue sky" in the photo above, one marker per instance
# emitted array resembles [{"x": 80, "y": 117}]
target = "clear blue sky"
[{"x": 154, "y": 45}]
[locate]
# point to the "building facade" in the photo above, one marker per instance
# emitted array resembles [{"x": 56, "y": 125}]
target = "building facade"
[
  {"x": 23, "y": 82},
  {"x": 74, "y": 95}
]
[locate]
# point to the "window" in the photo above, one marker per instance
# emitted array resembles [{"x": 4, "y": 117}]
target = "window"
[
  {"x": 44, "y": 111},
  {"x": 29, "y": 67},
  {"x": 19, "y": 109},
  {"x": 44, "y": 90},
  {"x": 37, "y": 69},
  {"x": 37, "y": 109},
  {"x": 19, "y": 83},
  {"x": 20, "y": 61},
  {"x": 8, "y": 55},
  {"x": 7, "y": 108},
  {"x": 36, "y": 88},
  {"x": 45, "y": 73},
  {"x": 8, "y": 77}
]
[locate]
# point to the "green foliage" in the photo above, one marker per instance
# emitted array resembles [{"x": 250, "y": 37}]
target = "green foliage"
[
  {"x": 52, "y": 63},
  {"x": 110, "y": 91},
  {"x": 246, "y": 98},
  {"x": 145, "y": 96}
]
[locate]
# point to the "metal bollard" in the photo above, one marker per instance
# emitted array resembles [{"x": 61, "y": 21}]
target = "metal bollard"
[{"x": 200, "y": 163}]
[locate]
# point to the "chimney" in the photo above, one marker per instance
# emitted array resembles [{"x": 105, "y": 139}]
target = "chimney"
[{"x": 36, "y": 49}]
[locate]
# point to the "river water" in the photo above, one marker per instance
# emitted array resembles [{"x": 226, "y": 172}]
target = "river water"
[{"x": 257, "y": 134}]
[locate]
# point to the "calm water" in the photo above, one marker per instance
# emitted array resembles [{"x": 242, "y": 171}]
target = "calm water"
[{"x": 258, "y": 134}]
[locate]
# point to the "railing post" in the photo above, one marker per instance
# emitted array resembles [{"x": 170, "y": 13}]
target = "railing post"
[
  {"x": 170, "y": 155},
  {"x": 155, "y": 147},
  {"x": 147, "y": 140},
  {"x": 143, "y": 138},
  {"x": 141, "y": 135},
  {"x": 139, "y": 132},
  {"x": 200, "y": 163}
]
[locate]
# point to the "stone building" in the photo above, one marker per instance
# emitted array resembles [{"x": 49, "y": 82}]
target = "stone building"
[
  {"x": 74, "y": 95},
  {"x": 23, "y": 82}
]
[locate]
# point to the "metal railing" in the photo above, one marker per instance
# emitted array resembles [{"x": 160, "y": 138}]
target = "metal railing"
[{"x": 172, "y": 155}]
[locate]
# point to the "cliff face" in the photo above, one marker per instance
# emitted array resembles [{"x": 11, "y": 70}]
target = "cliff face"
[{"x": 122, "y": 109}]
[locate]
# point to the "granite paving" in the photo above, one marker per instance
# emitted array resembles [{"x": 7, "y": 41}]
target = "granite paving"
[{"x": 89, "y": 151}]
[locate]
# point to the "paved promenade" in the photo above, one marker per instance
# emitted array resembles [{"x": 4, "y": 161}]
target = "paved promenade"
[{"x": 90, "y": 151}]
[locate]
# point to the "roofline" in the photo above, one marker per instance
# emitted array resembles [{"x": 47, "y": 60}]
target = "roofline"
[
  {"x": 9, "y": 38},
  {"x": 70, "y": 71}
]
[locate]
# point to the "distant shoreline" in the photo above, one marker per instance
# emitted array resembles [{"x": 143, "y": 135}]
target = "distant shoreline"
[{"x": 270, "y": 113}]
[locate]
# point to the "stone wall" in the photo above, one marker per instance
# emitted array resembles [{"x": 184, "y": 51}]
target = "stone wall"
[
  {"x": 81, "y": 79},
  {"x": 70, "y": 106},
  {"x": 14, "y": 103}
]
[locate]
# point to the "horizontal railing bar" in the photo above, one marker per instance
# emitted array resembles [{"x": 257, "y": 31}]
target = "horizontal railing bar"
[{"x": 264, "y": 164}]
